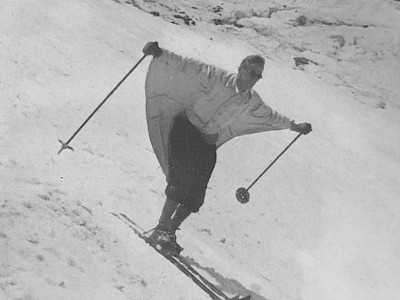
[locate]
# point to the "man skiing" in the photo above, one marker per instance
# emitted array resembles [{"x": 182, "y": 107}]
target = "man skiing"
[{"x": 192, "y": 109}]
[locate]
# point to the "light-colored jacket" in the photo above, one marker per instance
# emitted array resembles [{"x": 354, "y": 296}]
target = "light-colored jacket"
[{"x": 208, "y": 97}]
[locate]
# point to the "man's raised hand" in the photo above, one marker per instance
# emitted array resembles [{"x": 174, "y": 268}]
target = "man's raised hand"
[
  {"x": 152, "y": 48},
  {"x": 304, "y": 128}
]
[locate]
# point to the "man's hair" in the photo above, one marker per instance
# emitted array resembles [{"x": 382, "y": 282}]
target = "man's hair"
[{"x": 252, "y": 60}]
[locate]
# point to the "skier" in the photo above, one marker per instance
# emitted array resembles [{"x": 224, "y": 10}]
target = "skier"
[{"x": 193, "y": 108}]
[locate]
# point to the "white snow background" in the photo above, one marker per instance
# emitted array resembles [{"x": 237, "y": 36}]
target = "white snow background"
[{"x": 322, "y": 223}]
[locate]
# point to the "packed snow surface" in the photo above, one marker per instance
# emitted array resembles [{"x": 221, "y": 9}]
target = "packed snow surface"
[{"x": 322, "y": 223}]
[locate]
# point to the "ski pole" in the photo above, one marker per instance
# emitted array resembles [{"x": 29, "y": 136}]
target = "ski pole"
[
  {"x": 66, "y": 145},
  {"x": 242, "y": 194}
]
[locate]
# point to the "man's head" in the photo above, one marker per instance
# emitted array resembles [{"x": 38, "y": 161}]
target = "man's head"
[{"x": 250, "y": 71}]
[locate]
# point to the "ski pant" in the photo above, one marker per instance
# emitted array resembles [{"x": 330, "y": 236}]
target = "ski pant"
[{"x": 191, "y": 162}]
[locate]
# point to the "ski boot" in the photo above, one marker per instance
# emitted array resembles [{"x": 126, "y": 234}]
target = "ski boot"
[{"x": 165, "y": 241}]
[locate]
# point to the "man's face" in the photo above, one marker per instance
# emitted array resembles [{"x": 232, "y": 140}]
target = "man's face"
[{"x": 248, "y": 77}]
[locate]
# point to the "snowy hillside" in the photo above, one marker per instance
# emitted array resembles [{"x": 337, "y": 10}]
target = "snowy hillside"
[{"x": 323, "y": 223}]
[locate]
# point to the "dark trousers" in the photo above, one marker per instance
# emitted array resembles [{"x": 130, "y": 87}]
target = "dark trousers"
[{"x": 191, "y": 162}]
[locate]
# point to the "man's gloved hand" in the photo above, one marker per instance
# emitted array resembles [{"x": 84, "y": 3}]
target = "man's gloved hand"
[
  {"x": 304, "y": 128},
  {"x": 152, "y": 48}
]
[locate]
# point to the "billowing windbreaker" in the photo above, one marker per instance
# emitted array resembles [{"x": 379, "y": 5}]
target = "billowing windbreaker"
[{"x": 208, "y": 97}]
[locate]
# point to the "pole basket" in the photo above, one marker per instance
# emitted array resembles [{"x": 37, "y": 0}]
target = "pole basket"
[
  {"x": 242, "y": 195},
  {"x": 64, "y": 146}
]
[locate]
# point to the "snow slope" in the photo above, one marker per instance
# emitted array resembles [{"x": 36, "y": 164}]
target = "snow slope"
[{"x": 323, "y": 223}]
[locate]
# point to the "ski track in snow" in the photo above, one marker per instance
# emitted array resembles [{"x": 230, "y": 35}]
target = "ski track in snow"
[{"x": 323, "y": 223}]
